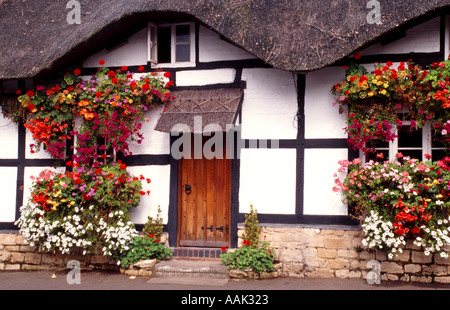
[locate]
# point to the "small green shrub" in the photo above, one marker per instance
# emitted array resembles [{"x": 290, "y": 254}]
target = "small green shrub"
[
  {"x": 154, "y": 226},
  {"x": 253, "y": 254},
  {"x": 142, "y": 248},
  {"x": 258, "y": 259},
  {"x": 252, "y": 229}
]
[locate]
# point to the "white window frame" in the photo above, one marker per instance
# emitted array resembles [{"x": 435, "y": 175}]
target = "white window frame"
[
  {"x": 152, "y": 43},
  {"x": 393, "y": 148},
  {"x": 152, "y": 47}
]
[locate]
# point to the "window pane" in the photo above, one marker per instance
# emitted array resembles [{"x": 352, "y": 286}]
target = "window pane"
[
  {"x": 183, "y": 53},
  {"x": 182, "y": 34},
  {"x": 164, "y": 45},
  {"x": 154, "y": 43},
  {"x": 437, "y": 140},
  {"x": 408, "y": 137},
  {"x": 379, "y": 155},
  {"x": 375, "y": 144},
  {"x": 439, "y": 154},
  {"x": 412, "y": 153}
]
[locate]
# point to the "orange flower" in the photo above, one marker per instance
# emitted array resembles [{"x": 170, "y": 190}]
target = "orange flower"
[
  {"x": 83, "y": 103},
  {"x": 89, "y": 116}
]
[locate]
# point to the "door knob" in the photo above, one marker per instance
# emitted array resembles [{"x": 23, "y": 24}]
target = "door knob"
[{"x": 187, "y": 189}]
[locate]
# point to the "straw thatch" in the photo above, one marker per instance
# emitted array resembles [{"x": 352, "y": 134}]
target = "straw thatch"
[
  {"x": 214, "y": 106},
  {"x": 290, "y": 35}
]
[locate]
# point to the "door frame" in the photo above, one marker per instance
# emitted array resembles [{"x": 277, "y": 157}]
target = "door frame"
[
  {"x": 172, "y": 223},
  {"x": 198, "y": 222}
]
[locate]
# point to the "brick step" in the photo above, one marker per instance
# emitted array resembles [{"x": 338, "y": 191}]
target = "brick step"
[{"x": 196, "y": 253}]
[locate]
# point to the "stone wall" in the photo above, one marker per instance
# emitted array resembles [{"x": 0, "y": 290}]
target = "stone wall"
[
  {"x": 16, "y": 254},
  {"x": 314, "y": 252},
  {"x": 336, "y": 252}
]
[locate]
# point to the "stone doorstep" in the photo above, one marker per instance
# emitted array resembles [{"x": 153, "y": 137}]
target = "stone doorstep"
[
  {"x": 191, "y": 272},
  {"x": 191, "y": 268}
]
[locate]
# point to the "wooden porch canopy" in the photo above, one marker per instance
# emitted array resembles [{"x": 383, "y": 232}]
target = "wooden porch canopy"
[{"x": 216, "y": 107}]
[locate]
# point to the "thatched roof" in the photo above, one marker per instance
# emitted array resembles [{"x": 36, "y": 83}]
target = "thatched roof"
[
  {"x": 287, "y": 34},
  {"x": 215, "y": 106}
]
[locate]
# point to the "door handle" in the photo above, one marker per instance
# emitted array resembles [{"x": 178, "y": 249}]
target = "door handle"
[
  {"x": 211, "y": 228},
  {"x": 187, "y": 189}
]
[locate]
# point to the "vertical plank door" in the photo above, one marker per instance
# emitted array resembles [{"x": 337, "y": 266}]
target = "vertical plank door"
[{"x": 204, "y": 202}]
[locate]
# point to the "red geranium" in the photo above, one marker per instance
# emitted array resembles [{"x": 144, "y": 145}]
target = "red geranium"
[{"x": 246, "y": 242}]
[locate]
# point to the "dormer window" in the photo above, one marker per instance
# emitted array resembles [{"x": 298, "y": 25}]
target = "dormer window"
[{"x": 171, "y": 44}]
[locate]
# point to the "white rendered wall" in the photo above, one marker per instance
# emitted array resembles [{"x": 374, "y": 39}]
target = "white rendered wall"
[
  {"x": 159, "y": 193},
  {"x": 9, "y": 137},
  {"x": 205, "y": 77},
  {"x": 8, "y": 180},
  {"x": 212, "y": 48},
  {"x": 154, "y": 142},
  {"x": 268, "y": 181},
  {"x": 270, "y": 104},
  {"x": 133, "y": 53},
  {"x": 318, "y": 195},
  {"x": 421, "y": 38},
  {"x": 8, "y": 184},
  {"x": 322, "y": 119},
  {"x": 41, "y": 154}
]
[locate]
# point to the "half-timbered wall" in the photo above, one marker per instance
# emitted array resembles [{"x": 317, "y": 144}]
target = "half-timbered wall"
[{"x": 291, "y": 135}]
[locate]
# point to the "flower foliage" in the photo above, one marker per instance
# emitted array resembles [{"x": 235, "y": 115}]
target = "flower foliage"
[
  {"x": 86, "y": 208},
  {"x": 377, "y": 101},
  {"x": 110, "y": 108},
  {"x": 258, "y": 258},
  {"x": 143, "y": 248},
  {"x": 399, "y": 200}
]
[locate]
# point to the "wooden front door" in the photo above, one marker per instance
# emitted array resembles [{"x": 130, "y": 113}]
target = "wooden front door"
[{"x": 204, "y": 202}]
